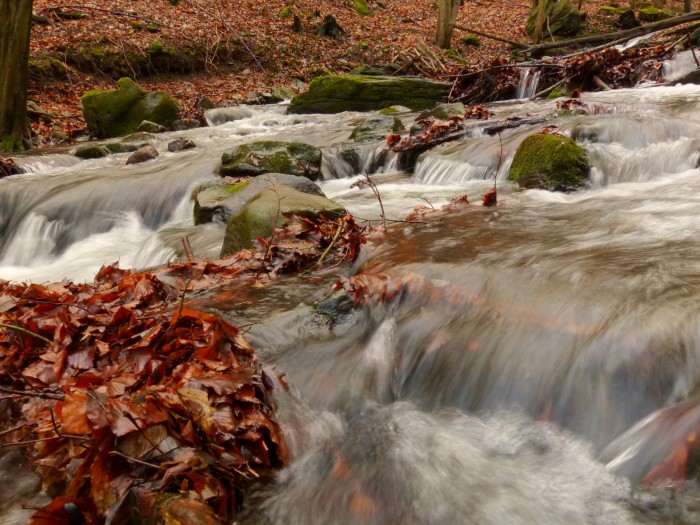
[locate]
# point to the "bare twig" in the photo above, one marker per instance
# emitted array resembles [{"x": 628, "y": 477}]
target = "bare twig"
[
  {"x": 31, "y": 393},
  {"x": 188, "y": 248},
  {"x": 330, "y": 246},
  {"x": 134, "y": 460},
  {"x": 520, "y": 45},
  {"x": 25, "y": 331}
]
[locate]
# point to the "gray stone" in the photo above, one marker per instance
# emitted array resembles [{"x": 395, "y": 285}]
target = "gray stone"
[
  {"x": 151, "y": 127},
  {"x": 142, "y": 155},
  {"x": 444, "y": 111},
  {"x": 561, "y": 19},
  {"x": 179, "y": 144},
  {"x": 376, "y": 128},
  {"x": 266, "y": 211},
  {"x": 218, "y": 202}
]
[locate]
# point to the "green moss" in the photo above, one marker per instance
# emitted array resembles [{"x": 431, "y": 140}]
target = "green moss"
[
  {"x": 258, "y": 158},
  {"x": 156, "y": 48},
  {"x": 361, "y": 8},
  {"x": 550, "y": 162},
  {"x": 152, "y": 28},
  {"x": 607, "y": 10},
  {"x": 260, "y": 216},
  {"x": 652, "y": 14},
  {"x": 47, "y": 69},
  {"x": 454, "y": 55},
  {"x": 66, "y": 15},
  {"x": 362, "y": 44},
  {"x": 336, "y": 93},
  {"x": 10, "y": 143},
  {"x": 470, "y": 40},
  {"x": 235, "y": 188},
  {"x": 389, "y": 111},
  {"x": 286, "y": 12}
]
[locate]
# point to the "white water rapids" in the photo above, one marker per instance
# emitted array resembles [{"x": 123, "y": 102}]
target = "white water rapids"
[{"x": 556, "y": 361}]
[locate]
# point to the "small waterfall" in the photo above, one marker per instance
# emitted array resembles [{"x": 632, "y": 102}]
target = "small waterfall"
[{"x": 527, "y": 86}]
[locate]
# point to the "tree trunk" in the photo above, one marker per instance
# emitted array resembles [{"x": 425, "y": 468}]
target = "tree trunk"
[
  {"x": 539, "y": 22},
  {"x": 15, "y": 28},
  {"x": 633, "y": 5},
  {"x": 687, "y": 6},
  {"x": 446, "y": 19}
]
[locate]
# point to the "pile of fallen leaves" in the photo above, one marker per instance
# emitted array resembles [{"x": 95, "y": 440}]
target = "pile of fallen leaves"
[{"x": 136, "y": 407}]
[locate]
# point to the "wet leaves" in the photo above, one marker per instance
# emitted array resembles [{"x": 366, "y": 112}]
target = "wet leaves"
[{"x": 120, "y": 388}]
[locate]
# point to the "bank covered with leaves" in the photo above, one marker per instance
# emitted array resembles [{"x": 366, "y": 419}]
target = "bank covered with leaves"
[{"x": 136, "y": 408}]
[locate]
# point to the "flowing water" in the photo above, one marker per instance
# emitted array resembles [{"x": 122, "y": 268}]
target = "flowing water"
[{"x": 544, "y": 358}]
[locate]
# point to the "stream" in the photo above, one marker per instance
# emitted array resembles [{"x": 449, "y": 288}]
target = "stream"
[{"x": 548, "y": 361}]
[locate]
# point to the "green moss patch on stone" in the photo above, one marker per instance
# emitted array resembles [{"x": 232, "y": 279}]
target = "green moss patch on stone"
[
  {"x": 337, "y": 93},
  {"x": 258, "y": 158},
  {"x": 362, "y": 8},
  {"x": 376, "y": 128},
  {"x": 551, "y": 162},
  {"x": 266, "y": 210},
  {"x": 117, "y": 112},
  {"x": 46, "y": 68}
]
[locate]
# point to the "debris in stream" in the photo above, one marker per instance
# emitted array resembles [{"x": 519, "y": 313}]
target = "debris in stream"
[{"x": 127, "y": 400}]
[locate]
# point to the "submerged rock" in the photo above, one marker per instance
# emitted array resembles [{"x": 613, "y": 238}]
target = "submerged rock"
[
  {"x": 444, "y": 111},
  {"x": 550, "y": 162},
  {"x": 376, "y": 128},
  {"x": 218, "y": 202},
  {"x": 117, "y": 112},
  {"x": 337, "y": 93},
  {"x": 267, "y": 156},
  {"x": 265, "y": 212}
]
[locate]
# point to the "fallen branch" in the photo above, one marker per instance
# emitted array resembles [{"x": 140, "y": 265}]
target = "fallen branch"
[
  {"x": 622, "y": 36},
  {"x": 520, "y": 45},
  {"x": 25, "y": 331}
]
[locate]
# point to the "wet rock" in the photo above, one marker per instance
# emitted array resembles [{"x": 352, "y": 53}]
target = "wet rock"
[
  {"x": 91, "y": 151},
  {"x": 561, "y": 19},
  {"x": 9, "y": 167},
  {"x": 337, "y": 93},
  {"x": 151, "y": 127},
  {"x": 117, "y": 112},
  {"x": 185, "y": 124},
  {"x": 124, "y": 147},
  {"x": 444, "y": 111},
  {"x": 376, "y": 128},
  {"x": 267, "y": 156},
  {"x": 550, "y": 162},
  {"x": 263, "y": 213},
  {"x": 218, "y": 202},
  {"x": 206, "y": 103},
  {"x": 180, "y": 144},
  {"x": 58, "y": 137},
  {"x": 142, "y": 155}
]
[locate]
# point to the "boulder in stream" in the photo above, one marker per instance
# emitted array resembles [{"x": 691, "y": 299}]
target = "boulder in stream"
[
  {"x": 91, "y": 151},
  {"x": 268, "y": 156},
  {"x": 551, "y": 162},
  {"x": 144, "y": 154},
  {"x": 337, "y": 93},
  {"x": 376, "y": 128},
  {"x": 117, "y": 112},
  {"x": 444, "y": 111},
  {"x": 217, "y": 202},
  {"x": 266, "y": 211}
]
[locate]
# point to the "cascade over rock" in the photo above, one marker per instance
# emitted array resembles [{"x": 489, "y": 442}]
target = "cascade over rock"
[
  {"x": 337, "y": 93},
  {"x": 266, "y": 211},
  {"x": 117, "y": 112},
  {"x": 219, "y": 201},
  {"x": 550, "y": 162},
  {"x": 268, "y": 156}
]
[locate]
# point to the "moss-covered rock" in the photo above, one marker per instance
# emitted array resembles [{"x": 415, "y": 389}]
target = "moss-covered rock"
[
  {"x": 607, "y": 10},
  {"x": 218, "y": 201},
  {"x": 267, "y": 156},
  {"x": 265, "y": 212},
  {"x": 561, "y": 19},
  {"x": 444, "y": 111},
  {"x": 47, "y": 69},
  {"x": 376, "y": 128},
  {"x": 653, "y": 14},
  {"x": 337, "y": 93},
  {"x": 362, "y": 8},
  {"x": 117, "y": 112},
  {"x": 550, "y": 162},
  {"x": 91, "y": 151}
]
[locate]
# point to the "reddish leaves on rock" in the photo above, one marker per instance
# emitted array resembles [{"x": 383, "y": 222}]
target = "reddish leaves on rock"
[{"x": 490, "y": 197}]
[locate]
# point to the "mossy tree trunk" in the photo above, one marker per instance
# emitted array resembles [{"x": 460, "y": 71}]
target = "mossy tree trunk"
[
  {"x": 447, "y": 17},
  {"x": 15, "y": 27},
  {"x": 687, "y": 6},
  {"x": 539, "y": 21}
]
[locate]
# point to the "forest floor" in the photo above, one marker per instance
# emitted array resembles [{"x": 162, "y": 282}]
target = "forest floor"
[{"x": 269, "y": 44}]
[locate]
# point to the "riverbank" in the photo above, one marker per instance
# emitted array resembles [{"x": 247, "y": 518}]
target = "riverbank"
[{"x": 230, "y": 54}]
